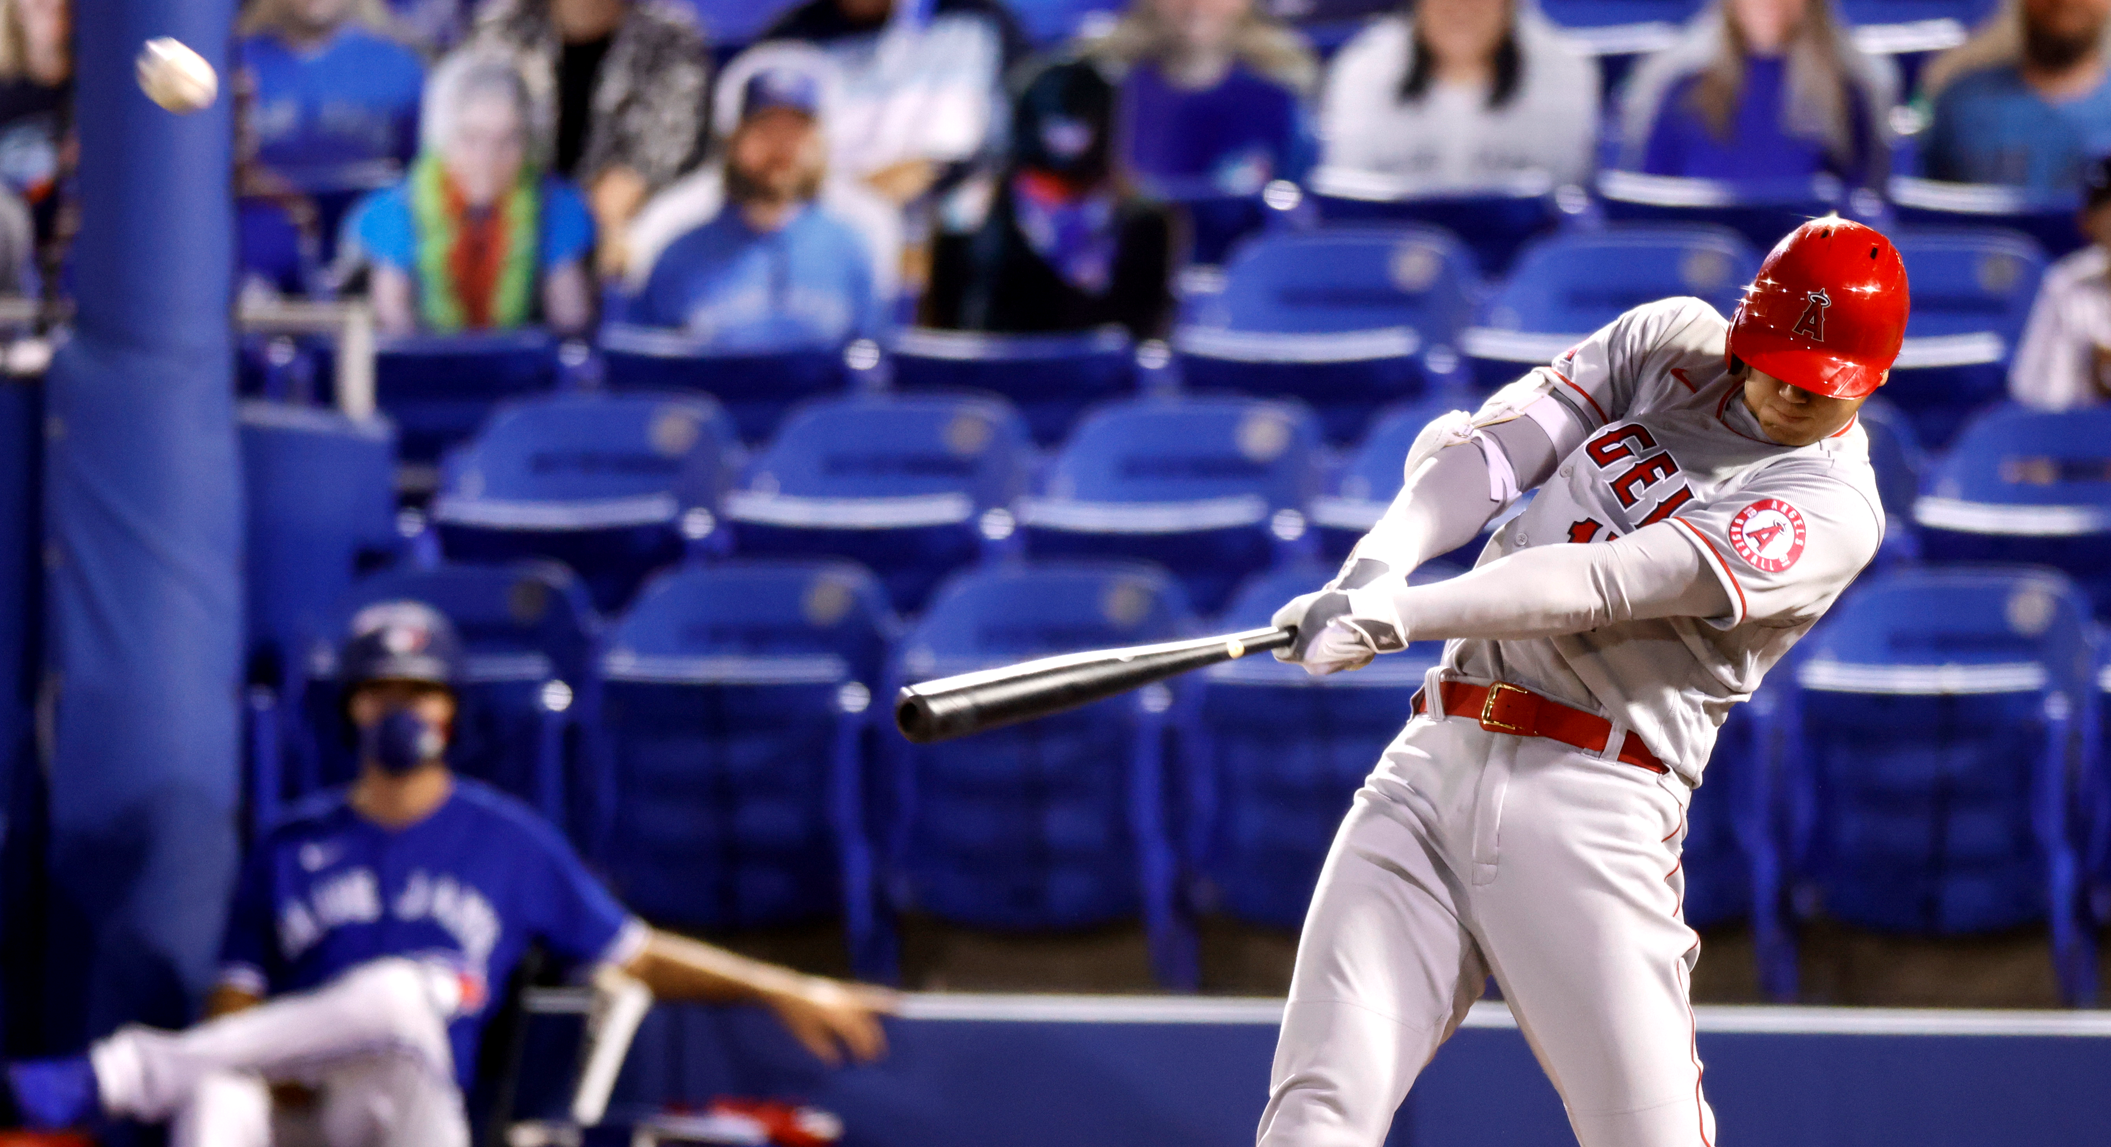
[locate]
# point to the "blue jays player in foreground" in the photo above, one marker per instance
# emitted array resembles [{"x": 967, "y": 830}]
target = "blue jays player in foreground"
[
  {"x": 1705, "y": 494},
  {"x": 368, "y": 930}
]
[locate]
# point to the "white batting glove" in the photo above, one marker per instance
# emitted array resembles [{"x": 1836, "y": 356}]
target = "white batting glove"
[{"x": 1341, "y": 629}]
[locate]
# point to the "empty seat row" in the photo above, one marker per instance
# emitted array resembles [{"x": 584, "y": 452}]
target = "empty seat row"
[
  {"x": 1925, "y": 764},
  {"x": 1347, "y": 320}
]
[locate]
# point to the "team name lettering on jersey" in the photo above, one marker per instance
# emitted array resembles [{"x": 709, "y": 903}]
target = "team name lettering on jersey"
[
  {"x": 350, "y": 897},
  {"x": 1629, "y": 457},
  {"x": 354, "y": 897}
]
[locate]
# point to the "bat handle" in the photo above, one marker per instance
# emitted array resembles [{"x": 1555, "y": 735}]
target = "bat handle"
[{"x": 1260, "y": 641}]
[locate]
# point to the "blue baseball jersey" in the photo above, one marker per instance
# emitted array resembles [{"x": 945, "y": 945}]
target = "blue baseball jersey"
[
  {"x": 325, "y": 117},
  {"x": 1227, "y": 140},
  {"x": 1991, "y": 127},
  {"x": 807, "y": 284},
  {"x": 474, "y": 883}
]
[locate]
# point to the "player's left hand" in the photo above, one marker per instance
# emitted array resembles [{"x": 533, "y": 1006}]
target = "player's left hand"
[{"x": 831, "y": 1018}]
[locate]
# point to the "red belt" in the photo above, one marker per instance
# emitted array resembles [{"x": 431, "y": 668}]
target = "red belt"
[{"x": 1506, "y": 708}]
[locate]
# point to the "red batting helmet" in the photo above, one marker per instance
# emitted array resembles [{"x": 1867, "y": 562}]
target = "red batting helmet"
[{"x": 1828, "y": 310}]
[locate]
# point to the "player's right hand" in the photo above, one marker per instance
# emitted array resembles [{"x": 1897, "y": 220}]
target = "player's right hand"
[
  {"x": 1339, "y": 629},
  {"x": 832, "y": 1018}
]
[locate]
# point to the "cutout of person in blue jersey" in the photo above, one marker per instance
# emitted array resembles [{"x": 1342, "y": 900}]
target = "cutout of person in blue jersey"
[
  {"x": 368, "y": 931},
  {"x": 2038, "y": 114},
  {"x": 773, "y": 270},
  {"x": 336, "y": 97}
]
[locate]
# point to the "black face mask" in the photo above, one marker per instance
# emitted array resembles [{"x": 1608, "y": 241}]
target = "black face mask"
[{"x": 401, "y": 741}]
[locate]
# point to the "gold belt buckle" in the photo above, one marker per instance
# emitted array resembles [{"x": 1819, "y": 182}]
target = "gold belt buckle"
[{"x": 1497, "y": 694}]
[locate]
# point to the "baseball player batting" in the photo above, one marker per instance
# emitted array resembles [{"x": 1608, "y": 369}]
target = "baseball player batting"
[{"x": 1704, "y": 495}]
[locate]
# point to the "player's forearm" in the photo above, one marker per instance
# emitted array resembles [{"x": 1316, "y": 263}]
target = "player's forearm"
[
  {"x": 1443, "y": 506},
  {"x": 1552, "y": 590},
  {"x": 1452, "y": 496},
  {"x": 678, "y": 968}
]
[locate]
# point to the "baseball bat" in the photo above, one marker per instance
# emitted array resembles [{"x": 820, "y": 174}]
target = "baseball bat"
[{"x": 949, "y": 707}]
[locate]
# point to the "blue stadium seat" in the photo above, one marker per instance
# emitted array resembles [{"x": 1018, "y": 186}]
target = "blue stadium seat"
[
  {"x": 2026, "y": 486},
  {"x": 1209, "y": 486},
  {"x": 901, "y": 484},
  {"x": 1972, "y": 292},
  {"x": 737, "y": 22},
  {"x": 1493, "y": 222},
  {"x": 272, "y": 250},
  {"x": 1057, "y": 823},
  {"x": 1051, "y": 378},
  {"x": 1762, "y": 210},
  {"x": 755, "y": 389},
  {"x": 321, "y": 506},
  {"x": 736, "y": 700},
  {"x": 1935, "y": 723},
  {"x": 1051, "y": 23},
  {"x": 533, "y": 689},
  {"x": 1580, "y": 15},
  {"x": 1277, "y": 754},
  {"x": 2047, "y": 217},
  {"x": 614, "y": 486},
  {"x": 440, "y": 388},
  {"x": 1895, "y": 452},
  {"x": 1565, "y": 287},
  {"x": 1341, "y": 319}
]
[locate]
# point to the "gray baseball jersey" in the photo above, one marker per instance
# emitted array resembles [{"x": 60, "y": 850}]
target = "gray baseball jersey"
[{"x": 1664, "y": 438}]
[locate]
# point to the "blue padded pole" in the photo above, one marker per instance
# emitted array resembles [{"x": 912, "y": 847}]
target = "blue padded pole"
[{"x": 143, "y": 503}]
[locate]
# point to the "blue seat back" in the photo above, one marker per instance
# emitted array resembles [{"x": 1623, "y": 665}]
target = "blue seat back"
[
  {"x": 1278, "y": 754},
  {"x": 1493, "y": 223},
  {"x": 1970, "y": 282},
  {"x": 738, "y": 21},
  {"x": 1605, "y": 13},
  {"x": 1338, "y": 280},
  {"x": 898, "y": 447},
  {"x": 1053, "y": 823},
  {"x": 440, "y": 388},
  {"x": 2047, "y": 216},
  {"x": 733, "y": 695},
  {"x": 1190, "y": 450},
  {"x": 1761, "y": 209},
  {"x": 2024, "y": 485},
  {"x": 1052, "y": 22},
  {"x": 900, "y": 484},
  {"x": 1051, "y": 378},
  {"x": 524, "y": 626},
  {"x": 1575, "y": 283},
  {"x": 1925, "y": 708},
  {"x": 754, "y": 389},
  {"x": 1972, "y": 292},
  {"x": 321, "y": 506},
  {"x": 578, "y": 448}
]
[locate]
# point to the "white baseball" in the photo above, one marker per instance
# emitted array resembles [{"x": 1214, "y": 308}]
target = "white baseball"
[{"x": 174, "y": 76}]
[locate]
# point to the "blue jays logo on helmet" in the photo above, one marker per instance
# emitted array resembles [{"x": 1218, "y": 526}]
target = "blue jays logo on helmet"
[{"x": 401, "y": 641}]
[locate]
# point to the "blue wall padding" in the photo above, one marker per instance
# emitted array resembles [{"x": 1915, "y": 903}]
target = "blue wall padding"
[
  {"x": 21, "y": 435},
  {"x": 143, "y": 510},
  {"x": 970, "y": 1083}
]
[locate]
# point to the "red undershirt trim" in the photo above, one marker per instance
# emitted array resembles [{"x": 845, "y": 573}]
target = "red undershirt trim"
[{"x": 1585, "y": 393}]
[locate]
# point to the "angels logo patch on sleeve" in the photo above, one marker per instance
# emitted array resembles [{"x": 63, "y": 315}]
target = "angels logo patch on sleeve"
[{"x": 1769, "y": 534}]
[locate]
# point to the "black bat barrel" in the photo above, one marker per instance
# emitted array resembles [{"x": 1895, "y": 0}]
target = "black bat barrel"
[{"x": 955, "y": 706}]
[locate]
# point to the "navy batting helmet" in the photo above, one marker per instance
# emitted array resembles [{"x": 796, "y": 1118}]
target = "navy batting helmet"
[{"x": 400, "y": 641}]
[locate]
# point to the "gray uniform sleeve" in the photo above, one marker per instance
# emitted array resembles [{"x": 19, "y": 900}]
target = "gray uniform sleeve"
[
  {"x": 1552, "y": 590},
  {"x": 1449, "y": 498}
]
